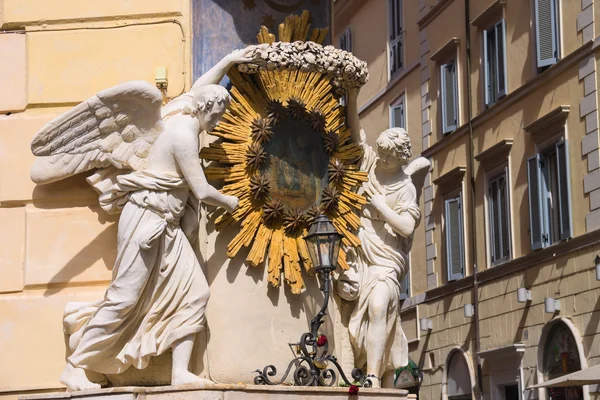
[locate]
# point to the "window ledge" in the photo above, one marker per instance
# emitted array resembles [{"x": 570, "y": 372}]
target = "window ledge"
[
  {"x": 554, "y": 118},
  {"x": 496, "y": 153},
  {"x": 452, "y": 177},
  {"x": 493, "y": 11},
  {"x": 445, "y": 50}
]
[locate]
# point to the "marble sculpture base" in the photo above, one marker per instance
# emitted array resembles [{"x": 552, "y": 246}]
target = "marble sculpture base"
[{"x": 224, "y": 392}]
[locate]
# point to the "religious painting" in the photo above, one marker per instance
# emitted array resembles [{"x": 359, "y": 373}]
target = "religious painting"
[{"x": 297, "y": 165}]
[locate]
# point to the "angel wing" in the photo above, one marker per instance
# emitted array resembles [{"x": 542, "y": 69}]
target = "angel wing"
[
  {"x": 116, "y": 127},
  {"x": 417, "y": 169}
]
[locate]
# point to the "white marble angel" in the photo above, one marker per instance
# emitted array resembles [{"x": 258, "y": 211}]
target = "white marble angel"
[
  {"x": 386, "y": 231},
  {"x": 146, "y": 162}
]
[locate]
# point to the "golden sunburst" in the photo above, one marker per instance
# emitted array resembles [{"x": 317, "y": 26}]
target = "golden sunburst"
[{"x": 259, "y": 102}]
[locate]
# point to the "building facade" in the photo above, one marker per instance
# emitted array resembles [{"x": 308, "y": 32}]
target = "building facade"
[{"x": 501, "y": 96}]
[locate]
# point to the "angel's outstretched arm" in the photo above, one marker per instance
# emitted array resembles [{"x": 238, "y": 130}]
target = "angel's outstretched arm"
[
  {"x": 214, "y": 75},
  {"x": 189, "y": 164},
  {"x": 352, "y": 119}
]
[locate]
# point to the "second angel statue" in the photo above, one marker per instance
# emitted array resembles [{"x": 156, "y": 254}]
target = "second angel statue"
[{"x": 146, "y": 162}]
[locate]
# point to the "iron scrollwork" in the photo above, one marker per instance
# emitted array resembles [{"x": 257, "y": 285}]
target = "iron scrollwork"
[{"x": 312, "y": 363}]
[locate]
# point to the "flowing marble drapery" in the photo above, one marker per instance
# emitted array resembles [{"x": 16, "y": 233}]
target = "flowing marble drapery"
[
  {"x": 158, "y": 293},
  {"x": 381, "y": 260}
]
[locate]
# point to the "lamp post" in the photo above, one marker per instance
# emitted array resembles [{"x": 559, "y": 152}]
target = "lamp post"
[{"x": 312, "y": 361}]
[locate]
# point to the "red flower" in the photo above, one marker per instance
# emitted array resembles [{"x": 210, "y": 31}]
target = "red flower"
[
  {"x": 321, "y": 340},
  {"x": 353, "y": 390}
]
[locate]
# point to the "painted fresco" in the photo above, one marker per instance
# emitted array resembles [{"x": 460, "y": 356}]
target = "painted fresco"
[{"x": 221, "y": 26}]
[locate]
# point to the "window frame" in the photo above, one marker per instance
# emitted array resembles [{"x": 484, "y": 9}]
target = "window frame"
[
  {"x": 543, "y": 195},
  {"x": 346, "y": 40},
  {"x": 491, "y": 176},
  {"x": 448, "y": 198},
  {"x": 395, "y": 39},
  {"x": 405, "y": 289},
  {"x": 498, "y": 93},
  {"x": 447, "y": 129},
  {"x": 399, "y": 102}
]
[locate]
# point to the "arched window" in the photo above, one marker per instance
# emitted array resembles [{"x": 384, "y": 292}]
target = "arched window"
[{"x": 561, "y": 357}]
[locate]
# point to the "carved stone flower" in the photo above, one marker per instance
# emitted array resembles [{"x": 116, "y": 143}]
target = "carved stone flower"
[
  {"x": 273, "y": 211},
  {"x": 256, "y": 156},
  {"x": 261, "y": 130},
  {"x": 336, "y": 172},
  {"x": 293, "y": 219},
  {"x": 276, "y": 112},
  {"x": 317, "y": 121},
  {"x": 330, "y": 198},
  {"x": 297, "y": 108},
  {"x": 260, "y": 187},
  {"x": 330, "y": 142}
]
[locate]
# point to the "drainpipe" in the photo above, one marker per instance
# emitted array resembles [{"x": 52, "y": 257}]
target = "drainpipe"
[{"x": 473, "y": 236}]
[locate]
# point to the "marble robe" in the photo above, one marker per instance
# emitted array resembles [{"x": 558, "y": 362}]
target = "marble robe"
[
  {"x": 381, "y": 260},
  {"x": 158, "y": 293}
]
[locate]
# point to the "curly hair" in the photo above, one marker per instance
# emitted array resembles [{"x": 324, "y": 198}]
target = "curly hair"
[
  {"x": 208, "y": 95},
  {"x": 397, "y": 140}
]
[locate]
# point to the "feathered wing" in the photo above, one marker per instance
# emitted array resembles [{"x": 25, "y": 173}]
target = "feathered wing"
[
  {"x": 115, "y": 128},
  {"x": 417, "y": 169}
]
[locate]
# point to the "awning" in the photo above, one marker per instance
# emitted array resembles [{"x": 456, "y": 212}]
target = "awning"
[{"x": 588, "y": 376}]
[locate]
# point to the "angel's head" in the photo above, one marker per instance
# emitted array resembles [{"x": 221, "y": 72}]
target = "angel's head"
[
  {"x": 393, "y": 148},
  {"x": 211, "y": 102}
]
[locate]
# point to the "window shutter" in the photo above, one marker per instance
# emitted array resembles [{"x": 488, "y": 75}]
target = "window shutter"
[
  {"x": 349, "y": 40},
  {"x": 454, "y": 239},
  {"x": 535, "y": 203},
  {"x": 546, "y": 30},
  {"x": 504, "y": 219},
  {"x": 449, "y": 97},
  {"x": 486, "y": 69},
  {"x": 405, "y": 284},
  {"x": 564, "y": 192},
  {"x": 501, "y": 59},
  {"x": 494, "y": 221},
  {"x": 398, "y": 115}
]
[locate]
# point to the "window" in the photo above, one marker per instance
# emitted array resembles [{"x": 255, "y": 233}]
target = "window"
[
  {"x": 449, "y": 98},
  {"x": 396, "y": 42},
  {"x": 498, "y": 217},
  {"x": 549, "y": 196},
  {"x": 405, "y": 284},
  {"x": 546, "y": 16},
  {"x": 494, "y": 53},
  {"x": 454, "y": 237},
  {"x": 397, "y": 114},
  {"x": 346, "y": 40}
]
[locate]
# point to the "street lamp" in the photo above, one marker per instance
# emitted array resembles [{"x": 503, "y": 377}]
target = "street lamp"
[{"x": 312, "y": 361}]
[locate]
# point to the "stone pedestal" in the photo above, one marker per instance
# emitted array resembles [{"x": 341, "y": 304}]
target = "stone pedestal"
[{"x": 224, "y": 392}]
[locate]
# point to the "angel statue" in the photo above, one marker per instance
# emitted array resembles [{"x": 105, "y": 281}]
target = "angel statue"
[
  {"x": 387, "y": 226},
  {"x": 146, "y": 162}
]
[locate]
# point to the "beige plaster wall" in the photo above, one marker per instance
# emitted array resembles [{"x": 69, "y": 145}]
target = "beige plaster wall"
[
  {"x": 566, "y": 276},
  {"x": 56, "y": 245}
]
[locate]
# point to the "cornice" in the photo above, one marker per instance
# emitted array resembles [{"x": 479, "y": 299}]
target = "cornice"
[
  {"x": 513, "y": 97},
  {"x": 434, "y": 12}
]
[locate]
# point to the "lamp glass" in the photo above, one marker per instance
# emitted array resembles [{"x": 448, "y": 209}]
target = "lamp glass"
[{"x": 323, "y": 243}]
